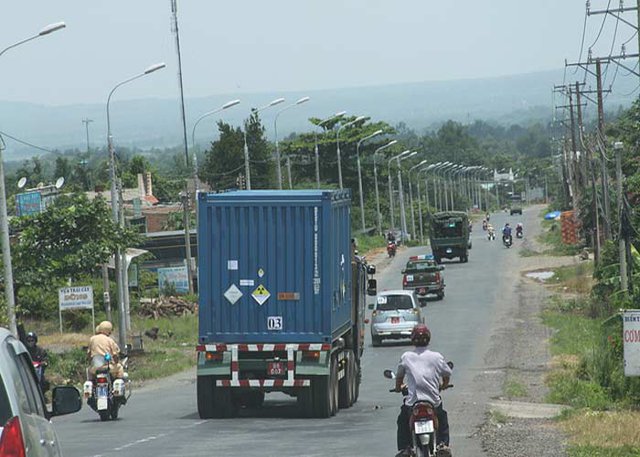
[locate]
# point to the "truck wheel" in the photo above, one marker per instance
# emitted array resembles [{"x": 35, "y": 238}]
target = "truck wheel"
[
  {"x": 345, "y": 385},
  {"x": 224, "y": 406},
  {"x": 376, "y": 341},
  {"x": 206, "y": 404},
  {"x": 305, "y": 401}
]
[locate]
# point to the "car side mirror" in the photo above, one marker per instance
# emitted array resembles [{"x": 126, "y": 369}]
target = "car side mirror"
[
  {"x": 371, "y": 269},
  {"x": 372, "y": 287},
  {"x": 371, "y": 306},
  {"x": 389, "y": 374},
  {"x": 65, "y": 400},
  {"x": 403, "y": 271},
  {"x": 440, "y": 267}
]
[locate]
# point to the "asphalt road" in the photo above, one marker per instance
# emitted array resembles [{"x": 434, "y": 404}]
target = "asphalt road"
[{"x": 161, "y": 420}]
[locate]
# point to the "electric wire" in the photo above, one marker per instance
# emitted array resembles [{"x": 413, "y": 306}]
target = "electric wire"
[
  {"x": 26, "y": 143},
  {"x": 584, "y": 34}
]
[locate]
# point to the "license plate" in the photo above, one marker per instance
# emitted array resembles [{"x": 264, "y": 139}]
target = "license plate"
[
  {"x": 395, "y": 320},
  {"x": 102, "y": 391},
  {"x": 276, "y": 369},
  {"x": 449, "y": 250},
  {"x": 422, "y": 291},
  {"x": 423, "y": 427}
]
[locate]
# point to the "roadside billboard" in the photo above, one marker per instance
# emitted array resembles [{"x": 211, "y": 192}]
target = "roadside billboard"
[
  {"x": 176, "y": 275},
  {"x": 631, "y": 341},
  {"x": 78, "y": 297},
  {"x": 28, "y": 203}
]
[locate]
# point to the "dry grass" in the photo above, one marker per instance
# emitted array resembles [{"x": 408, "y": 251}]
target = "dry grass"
[
  {"x": 64, "y": 341},
  {"x": 604, "y": 429},
  {"x": 565, "y": 362}
]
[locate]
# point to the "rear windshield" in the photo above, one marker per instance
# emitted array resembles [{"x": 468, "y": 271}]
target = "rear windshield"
[
  {"x": 448, "y": 228},
  {"x": 393, "y": 302},
  {"x": 5, "y": 408},
  {"x": 423, "y": 265}
]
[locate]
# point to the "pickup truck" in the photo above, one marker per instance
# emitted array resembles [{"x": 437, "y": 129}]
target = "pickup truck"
[{"x": 424, "y": 276}]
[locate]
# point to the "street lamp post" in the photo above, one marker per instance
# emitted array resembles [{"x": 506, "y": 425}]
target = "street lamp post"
[
  {"x": 120, "y": 266},
  {"x": 426, "y": 194},
  {"x": 275, "y": 128},
  {"x": 315, "y": 134},
  {"x": 247, "y": 166},
  {"x": 444, "y": 195},
  {"x": 193, "y": 140},
  {"x": 391, "y": 215},
  {"x": 358, "y": 119},
  {"x": 403, "y": 213},
  {"x": 368, "y": 137},
  {"x": 375, "y": 179},
  {"x": 413, "y": 217},
  {"x": 4, "y": 218}
]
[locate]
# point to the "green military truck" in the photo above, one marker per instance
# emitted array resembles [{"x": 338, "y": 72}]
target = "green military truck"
[{"x": 449, "y": 236}]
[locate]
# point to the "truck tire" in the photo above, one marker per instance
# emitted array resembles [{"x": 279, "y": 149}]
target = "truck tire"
[
  {"x": 224, "y": 407},
  {"x": 206, "y": 404},
  {"x": 322, "y": 396},
  {"x": 376, "y": 341},
  {"x": 305, "y": 402},
  {"x": 334, "y": 385},
  {"x": 346, "y": 384}
]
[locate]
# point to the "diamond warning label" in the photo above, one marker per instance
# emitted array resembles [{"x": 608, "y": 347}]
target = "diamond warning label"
[{"x": 261, "y": 294}]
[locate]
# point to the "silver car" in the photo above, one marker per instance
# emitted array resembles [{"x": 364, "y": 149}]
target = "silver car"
[
  {"x": 395, "y": 313},
  {"x": 25, "y": 428}
]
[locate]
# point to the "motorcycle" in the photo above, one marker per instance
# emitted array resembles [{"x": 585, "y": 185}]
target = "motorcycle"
[
  {"x": 484, "y": 225},
  {"x": 391, "y": 248},
  {"x": 491, "y": 235},
  {"x": 423, "y": 423},
  {"x": 39, "y": 368},
  {"x": 106, "y": 395},
  {"x": 507, "y": 241},
  {"x": 519, "y": 231}
]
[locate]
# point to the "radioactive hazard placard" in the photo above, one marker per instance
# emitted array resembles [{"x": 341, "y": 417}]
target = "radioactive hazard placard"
[{"x": 261, "y": 294}]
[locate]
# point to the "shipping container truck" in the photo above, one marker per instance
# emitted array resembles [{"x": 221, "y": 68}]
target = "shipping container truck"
[{"x": 282, "y": 300}]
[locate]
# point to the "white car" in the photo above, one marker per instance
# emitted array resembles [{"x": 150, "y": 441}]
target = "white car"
[
  {"x": 395, "y": 313},
  {"x": 25, "y": 428}
]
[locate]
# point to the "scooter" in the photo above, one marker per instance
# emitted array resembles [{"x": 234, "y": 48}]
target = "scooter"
[
  {"x": 106, "y": 395},
  {"x": 484, "y": 225},
  {"x": 519, "y": 233},
  {"x": 423, "y": 423},
  {"x": 507, "y": 241},
  {"x": 491, "y": 235},
  {"x": 391, "y": 248}
]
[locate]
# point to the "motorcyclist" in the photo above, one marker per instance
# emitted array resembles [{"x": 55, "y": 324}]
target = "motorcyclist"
[
  {"x": 491, "y": 231},
  {"x": 39, "y": 355},
  {"x": 519, "y": 228},
  {"x": 101, "y": 344},
  {"x": 391, "y": 238},
  {"x": 488, "y": 217},
  {"x": 422, "y": 369},
  {"x": 506, "y": 232},
  {"x": 36, "y": 352}
]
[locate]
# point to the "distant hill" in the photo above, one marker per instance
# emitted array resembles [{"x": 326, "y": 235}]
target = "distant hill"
[{"x": 147, "y": 123}]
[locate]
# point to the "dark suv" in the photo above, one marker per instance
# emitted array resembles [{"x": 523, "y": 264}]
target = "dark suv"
[
  {"x": 515, "y": 210},
  {"x": 424, "y": 276}
]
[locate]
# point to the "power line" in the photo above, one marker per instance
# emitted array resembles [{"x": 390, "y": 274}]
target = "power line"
[{"x": 26, "y": 143}]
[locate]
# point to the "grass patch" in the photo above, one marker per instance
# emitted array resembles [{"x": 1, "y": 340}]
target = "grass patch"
[
  {"x": 526, "y": 252},
  {"x": 567, "y": 389},
  {"x": 617, "y": 434},
  {"x": 576, "y": 278},
  {"x": 515, "y": 389},
  {"x": 575, "y": 334},
  {"x": 368, "y": 245},
  {"x": 497, "y": 417}
]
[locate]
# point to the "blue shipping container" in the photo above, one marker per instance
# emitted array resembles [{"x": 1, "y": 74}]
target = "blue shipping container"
[{"x": 274, "y": 266}]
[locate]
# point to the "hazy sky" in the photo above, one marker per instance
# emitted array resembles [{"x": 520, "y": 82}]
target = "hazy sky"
[{"x": 260, "y": 45}]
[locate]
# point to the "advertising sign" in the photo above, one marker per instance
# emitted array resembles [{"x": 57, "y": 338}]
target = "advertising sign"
[
  {"x": 28, "y": 203},
  {"x": 80, "y": 297},
  {"x": 176, "y": 275},
  {"x": 631, "y": 340}
]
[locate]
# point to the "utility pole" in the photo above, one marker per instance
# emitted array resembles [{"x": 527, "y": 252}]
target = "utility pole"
[
  {"x": 603, "y": 160},
  {"x": 86, "y": 123},
  {"x": 622, "y": 244},
  {"x": 187, "y": 230}
]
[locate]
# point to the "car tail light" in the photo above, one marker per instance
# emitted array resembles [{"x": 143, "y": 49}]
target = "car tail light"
[
  {"x": 214, "y": 356},
  {"x": 404, "y": 280},
  {"x": 200, "y": 348},
  {"x": 11, "y": 442},
  {"x": 101, "y": 379},
  {"x": 437, "y": 276}
]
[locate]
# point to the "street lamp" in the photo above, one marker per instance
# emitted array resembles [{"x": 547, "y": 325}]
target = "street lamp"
[
  {"x": 375, "y": 179},
  {"x": 4, "y": 218},
  {"x": 209, "y": 113},
  {"x": 403, "y": 213},
  {"x": 426, "y": 191},
  {"x": 445, "y": 186},
  {"x": 275, "y": 128},
  {"x": 413, "y": 218},
  {"x": 402, "y": 154},
  {"x": 358, "y": 119},
  {"x": 247, "y": 166},
  {"x": 315, "y": 134},
  {"x": 120, "y": 266},
  {"x": 368, "y": 137}
]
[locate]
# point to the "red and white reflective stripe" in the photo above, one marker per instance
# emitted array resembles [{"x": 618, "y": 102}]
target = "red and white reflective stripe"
[
  {"x": 263, "y": 383},
  {"x": 290, "y": 364},
  {"x": 234, "y": 363},
  {"x": 266, "y": 347}
]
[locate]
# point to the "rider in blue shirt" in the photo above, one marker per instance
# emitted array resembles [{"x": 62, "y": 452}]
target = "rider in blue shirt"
[{"x": 506, "y": 231}]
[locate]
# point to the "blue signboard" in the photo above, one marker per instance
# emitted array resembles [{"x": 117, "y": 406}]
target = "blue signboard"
[
  {"x": 28, "y": 203},
  {"x": 176, "y": 275}
]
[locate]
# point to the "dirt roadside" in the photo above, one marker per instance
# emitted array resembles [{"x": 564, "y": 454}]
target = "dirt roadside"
[{"x": 520, "y": 352}]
